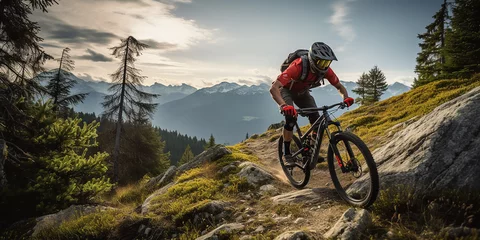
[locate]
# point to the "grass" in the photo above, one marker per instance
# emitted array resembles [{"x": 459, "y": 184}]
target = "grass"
[{"x": 409, "y": 215}]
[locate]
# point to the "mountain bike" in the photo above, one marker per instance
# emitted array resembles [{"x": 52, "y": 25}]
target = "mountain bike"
[{"x": 350, "y": 163}]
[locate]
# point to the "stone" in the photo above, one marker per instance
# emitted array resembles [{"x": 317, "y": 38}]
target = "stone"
[
  {"x": 437, "y": 152},
  {"x": 293, "y": 235},
  {"x": 70, "y": 213},
  {"x": 260, "y": 229},
  {"x": 458, "y": 232},
  {"x": 352, "y": 225},
  {"x": 305, "y": 196},
  {"x": 299, "y": 220},
  {"x": 268, "y": 189},
  {"x": 210, "y": 155},
  {"x": 255, "y": 175},
  {"x": 229, "y": 228},
  {"x": 162, "y": 179}
]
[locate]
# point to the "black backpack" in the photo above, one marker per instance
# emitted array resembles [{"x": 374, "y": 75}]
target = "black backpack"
[{"x": 303, "y": 54}]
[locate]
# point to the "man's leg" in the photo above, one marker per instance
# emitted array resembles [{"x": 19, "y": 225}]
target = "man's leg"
[{"x": 289, "y": 122}]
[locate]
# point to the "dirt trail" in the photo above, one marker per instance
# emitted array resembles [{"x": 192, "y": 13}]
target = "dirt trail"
[{"x": 324, "y": 216}]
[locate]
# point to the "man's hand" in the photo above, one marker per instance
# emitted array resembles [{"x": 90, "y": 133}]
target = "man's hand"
[
  {"x": 289, "y": 110},
  {"x": 349, "y": 101}
]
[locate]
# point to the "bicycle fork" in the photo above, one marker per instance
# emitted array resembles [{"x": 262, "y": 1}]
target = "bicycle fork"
[{"x": 336, "y": 152}]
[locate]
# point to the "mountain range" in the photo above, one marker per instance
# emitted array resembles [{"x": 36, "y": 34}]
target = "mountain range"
[{"x": 227, "y": 110}]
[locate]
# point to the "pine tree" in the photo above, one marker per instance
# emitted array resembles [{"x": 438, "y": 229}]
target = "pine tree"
[
  {"x": 246, "y": 137},
  {"x": 431, "y": 59},
  {"x": 376, "y": 86},
  {"x": 187, "y": 156},
  {"x": 463, "y": 40},
  {"x": 61, "y": 83},
  {"x": 211, "y": 142},
  {"x": 361, "y": 89},
  {"x": 127, "y": 98}
]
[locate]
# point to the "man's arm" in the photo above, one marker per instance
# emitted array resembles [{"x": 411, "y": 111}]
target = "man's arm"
[
  {"x": 275, "y": 92},
  {"x": 341, "y": 89}
]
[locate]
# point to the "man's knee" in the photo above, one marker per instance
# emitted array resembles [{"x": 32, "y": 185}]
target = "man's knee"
[
  {"x": 289, "y": 123},
  {"x": 313, "y": 117}
]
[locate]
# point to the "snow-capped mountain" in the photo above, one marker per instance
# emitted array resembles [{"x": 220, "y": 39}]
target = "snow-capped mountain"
[{"x": 222, "y": 87}]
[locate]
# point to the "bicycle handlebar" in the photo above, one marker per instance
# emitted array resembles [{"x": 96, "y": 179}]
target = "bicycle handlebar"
[{"x": 301, "y": 111}]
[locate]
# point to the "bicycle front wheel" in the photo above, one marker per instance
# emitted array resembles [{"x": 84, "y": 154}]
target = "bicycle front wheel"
[
  {"x": 353, "y": 170},
  {"x": 299, "y": 174}
]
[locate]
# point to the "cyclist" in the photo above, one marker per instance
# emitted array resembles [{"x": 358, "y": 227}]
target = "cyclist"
[{"x": 287, "y": 89}]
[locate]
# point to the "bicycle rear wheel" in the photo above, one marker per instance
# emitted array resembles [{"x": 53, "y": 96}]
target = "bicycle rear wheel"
[
  {"x": 357, "y": 181},
  {"x": 297, "y": 176}
]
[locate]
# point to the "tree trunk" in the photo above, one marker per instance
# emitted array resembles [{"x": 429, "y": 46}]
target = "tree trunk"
[
  {"x": 55, "y": 98},
  {"x": 116, "y": 151}
]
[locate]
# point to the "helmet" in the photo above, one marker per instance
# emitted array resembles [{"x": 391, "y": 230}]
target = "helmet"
[{"x": 320, "y": 56}]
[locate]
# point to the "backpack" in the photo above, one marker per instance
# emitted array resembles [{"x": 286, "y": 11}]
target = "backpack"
[{"x": 303, "y": 54}]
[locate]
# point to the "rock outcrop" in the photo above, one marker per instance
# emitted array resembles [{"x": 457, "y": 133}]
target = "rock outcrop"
[
  {"x": 437, "y": 152},
  {"x": 255, "y": 175},
  {"x": 352, "y": 225},
  {"x": 70, "y": 213},
  {"x": 304, "y": 196},
  {"x": 293, "y": 235}
]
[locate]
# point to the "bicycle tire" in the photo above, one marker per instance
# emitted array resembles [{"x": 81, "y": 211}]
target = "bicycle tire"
[
  {"x": 372, "y": 193},
  {"x": 297, "y": 184}
]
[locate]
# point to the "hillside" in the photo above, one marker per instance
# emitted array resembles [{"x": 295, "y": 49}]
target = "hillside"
[{"x": 243, "y": 190}]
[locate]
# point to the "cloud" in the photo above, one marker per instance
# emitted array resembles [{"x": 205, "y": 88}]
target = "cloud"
[
  {"x": 340, "y": 21},
  {"x": 137, "y": 16},
  {"x": 159, "y": 45},
  {"x": 96, "y": 57},
  {"x": 72, "y": 34},
  {"x": 158, "y": 64},
  {"x": 87, "y": 77}
]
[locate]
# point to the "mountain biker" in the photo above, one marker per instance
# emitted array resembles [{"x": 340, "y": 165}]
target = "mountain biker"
[{"x": 287, "y": 89}]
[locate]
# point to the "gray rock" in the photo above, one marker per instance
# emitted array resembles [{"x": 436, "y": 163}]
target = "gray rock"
[
  {"x": 351, "y": 225},
  {"x": 299, "y": 220},
  {"x": 260, "y": 229},
  {"x": 293, "y": 235},
  {"x": 230, "y": 227},
  {"x": 209, "y": 155},
  {"x": 73, "y": 212},
  {"x": 306, "y": 196},
  {"x": 147, "y": 204},
  {"x": 437, "y": 152},
  {"x": 162, "y": 179},
  {"x": 254, "y": 174},
  {"x": 268, "y": 189},
  {"x": 458, "y": 232},
  {"x": 246, "y": 237}
]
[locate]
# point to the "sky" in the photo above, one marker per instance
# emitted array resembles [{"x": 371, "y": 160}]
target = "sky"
[{"x": 205, "y": 42}]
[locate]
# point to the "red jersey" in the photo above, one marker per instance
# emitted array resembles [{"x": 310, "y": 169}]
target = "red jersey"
[{"x": 290, "y": 77}]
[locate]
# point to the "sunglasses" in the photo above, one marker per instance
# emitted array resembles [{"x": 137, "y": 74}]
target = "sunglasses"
[{"x": 323, "y": 64}]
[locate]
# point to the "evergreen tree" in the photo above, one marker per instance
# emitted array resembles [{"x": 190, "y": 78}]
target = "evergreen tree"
[
  {"x": 127, "y": 98},
  {"x": 361, "y": 90},
  {"x": 187, "y": 156},
  {"x": 20, "y": 51},
  {"x": 61, "y": 83},
  {"x": 246, "y": 137},
  {"x": 376, "y": 86},
  {"x": 463, "y": 41},
  {"x": 431, "y": 58},
  {"x": 211, "y": 142}
]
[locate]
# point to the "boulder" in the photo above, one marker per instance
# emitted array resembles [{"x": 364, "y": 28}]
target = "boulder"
[
  {"x": 293, "y": 235},
  {"x": 209, "y": 155},
  {"x": 254, "y": 174},
  {"x": 225, "y": 228},
  {"x": 214, "y": 211},
  {"x": 162, "y": 179},
  {"x": 67, "y": 214},
  {"x": 352, "y": 225},
  {"x": 437, "y": 152},
  {"x": 268, "y": 189},
  {"x": 304, "y": 196}
]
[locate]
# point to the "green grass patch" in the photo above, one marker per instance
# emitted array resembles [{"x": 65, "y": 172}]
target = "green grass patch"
[{"x": 274, "y": 138}]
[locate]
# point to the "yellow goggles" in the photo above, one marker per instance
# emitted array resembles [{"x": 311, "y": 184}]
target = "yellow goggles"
[{"x": 323, "y": 64}]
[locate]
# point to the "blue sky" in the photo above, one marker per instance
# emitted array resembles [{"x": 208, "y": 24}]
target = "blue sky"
[{"x": 204, "y": 42}]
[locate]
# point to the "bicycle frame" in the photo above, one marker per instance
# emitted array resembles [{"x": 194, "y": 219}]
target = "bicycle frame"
[{"x": 321, "y": 124}]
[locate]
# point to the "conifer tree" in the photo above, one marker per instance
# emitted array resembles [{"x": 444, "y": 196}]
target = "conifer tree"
[
  {"x": 431, "y": 58},
  {"x": 61, "y": 83},
  {"x": 187, "y": 156},
  {"x": 246, "y": 137},
  {"x": 211, "y": 142},
  {"x": 377, "y": 85},
  {"x": 127, "y": 98},
  {"x": 361, "y": 90},
  {"x": 463, "y": 40}
]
